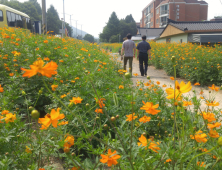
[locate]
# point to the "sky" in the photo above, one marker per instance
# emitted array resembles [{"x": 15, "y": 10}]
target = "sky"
[{"x": 94, "y": 14}]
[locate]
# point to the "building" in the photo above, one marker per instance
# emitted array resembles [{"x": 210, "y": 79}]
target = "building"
[
  {"x": 151, "y": 33},
  {"x": 156, "y": 13},
  {"x": 195, "y": 32}
]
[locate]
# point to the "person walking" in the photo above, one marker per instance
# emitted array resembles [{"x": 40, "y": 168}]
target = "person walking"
[
  {"x": 143, "y": 48},
  {"x": 129, "y": 50}
]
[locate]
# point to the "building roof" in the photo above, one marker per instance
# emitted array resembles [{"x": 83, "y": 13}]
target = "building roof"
[
  {"x": 196, "y": 25},
  {"x": 150, "y": 32}
]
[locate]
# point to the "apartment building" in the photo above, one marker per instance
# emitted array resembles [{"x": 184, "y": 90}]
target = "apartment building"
[{"x": 155, "y": 14}]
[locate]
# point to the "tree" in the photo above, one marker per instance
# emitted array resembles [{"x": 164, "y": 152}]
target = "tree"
[
  {"x": 115, "y": 27},
  {"x": 112, "y": 28},
  {"x": 89, "y": 38},
  {"x": 53, "y": 21}
]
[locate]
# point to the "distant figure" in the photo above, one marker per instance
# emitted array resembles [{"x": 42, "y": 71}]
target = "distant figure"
[
  {"x": 143, "y": 48},
  {"x": 119, "y": 51},
  {"x": 129, "y": 48}
]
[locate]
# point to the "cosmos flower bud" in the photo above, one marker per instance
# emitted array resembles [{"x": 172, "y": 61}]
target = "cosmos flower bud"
[
  {"x": 173, "y": 59},
  {"x": 219, "y": 142}
]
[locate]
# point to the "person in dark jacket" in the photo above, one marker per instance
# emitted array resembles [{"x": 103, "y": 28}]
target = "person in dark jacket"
[{"x": 143, "y": 51}]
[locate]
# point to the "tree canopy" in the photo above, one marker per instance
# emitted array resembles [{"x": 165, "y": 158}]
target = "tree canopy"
[
  {"x": 89, "y": 37},
  {"x": 116, "y": 28}
]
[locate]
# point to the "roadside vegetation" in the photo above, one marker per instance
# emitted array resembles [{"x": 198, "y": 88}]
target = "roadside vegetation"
[
  {"x": 91, "y": 115},
  {"x": 193, "y": 62}
]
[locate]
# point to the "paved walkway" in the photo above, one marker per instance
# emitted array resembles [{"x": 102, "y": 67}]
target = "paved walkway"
[{"x": 163, "y": 78}]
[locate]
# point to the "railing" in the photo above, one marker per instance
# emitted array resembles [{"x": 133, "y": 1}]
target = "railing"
[{"x": 163, "y": 12}]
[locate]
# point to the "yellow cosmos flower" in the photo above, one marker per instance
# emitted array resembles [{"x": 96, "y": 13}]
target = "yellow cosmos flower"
[
  {"x": 180, "y": 89},
  {"x": 199, "y": 137},
  {"x": 10, "y": 117}
]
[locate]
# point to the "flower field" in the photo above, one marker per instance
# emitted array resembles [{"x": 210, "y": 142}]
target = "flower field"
[
  {"x": 193, "y": 62},
  {"x": 69, "y": 101}
]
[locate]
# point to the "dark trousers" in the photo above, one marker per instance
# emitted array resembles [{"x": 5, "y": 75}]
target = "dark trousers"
[
  {"x": 130, "y": 63},
  {"x": 143, "y": 60}
]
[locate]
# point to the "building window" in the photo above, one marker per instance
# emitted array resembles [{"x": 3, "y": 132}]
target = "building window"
[
  {"x": 163, "y": 21},
  {"x": 151, "y": 15},
  {"x": 168, "y": 40},
  {"x": 157, "y": 10},
  {"x": 1, "y": 15},
  {"x": 178, "y": 17},
  {"x": 151, "y": 24},
  {"x": 164, "y": 9},
  {"x": 151, "y": 6},
  {"x": 157, "y": 21}
]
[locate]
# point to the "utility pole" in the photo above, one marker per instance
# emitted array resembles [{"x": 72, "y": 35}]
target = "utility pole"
[
  {"x": 81, "y": 31},
  {"x": 44, "y": 21},
  {"x": 62, "y": 27},
  {"x": 64, "y": 23},
  {"x": 76, "y": 28}
]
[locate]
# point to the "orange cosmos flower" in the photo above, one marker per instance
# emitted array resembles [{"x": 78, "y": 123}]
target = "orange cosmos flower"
[
  {"x": 63, "y": 123},
  {"x": 54, "y": 87},
  {"x": 75, "y": 168},
  {"x": 51, "y": 118},
  {"x": 121, "y": 87},
  {"x": 69, "y": 141},
  {"x": 212, "y": 103},
  {"x": 180, "y": 88},
  {"x": 135, "y": 74},
  {"x": 197, "y": 84},
  {"x": 41, "y": 168},
  {"x": 45, "y": 41},
  {"x": 144, "y": 119},
  {"x": 172, "y": 78},
  {"x": 213, "y": 134},
  {"x": 11, "y": 74},
  {"x": 83, "y": 49},
  {"x": 48, "y": 70},
  {"x": 158, "y": 82},
  {"x": 110, "y": 158},
  {"x": 187, "y": 103},
  {"x": 201, "y": 165},
  {"x": 214, "y": 125},
  {"x": 1, "y": 118},
  {"x": 146, "y": 84},
  {"x": 100, "y": 102},
  {"x": 164, "y": 85},
  {"x": 61, "y": 61},
  {"x": 1, "y": 89},
  {"x": 131, "y": 117},
  {"x": 46, "y": 58},
  {"x": 99, "y": 111},
  {"x": 152, "y": 145},
  {"x": 5, "y": 112},
  {"x": 150, "y": 108},
  {"x": 214, "y": 88},
  {"x": 209, "y": 117},
  {"x": 10, "y": 117},
  {"x": 199, "y": 137},
  {"x": 62, "y": 96},
  {"x": 37, "y": 49},
  {"x": 168, "y": 160},
  {"x": 76, "y": 100}
]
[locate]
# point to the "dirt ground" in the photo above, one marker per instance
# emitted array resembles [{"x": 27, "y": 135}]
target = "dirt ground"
[{"x": 161, "y": 76}]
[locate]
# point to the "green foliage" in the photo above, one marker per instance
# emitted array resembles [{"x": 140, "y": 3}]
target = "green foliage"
[
  {"x": 116, "y": 27},
  {"x": 53, "y": 21},
  {"x": 89, "y": 37}
]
